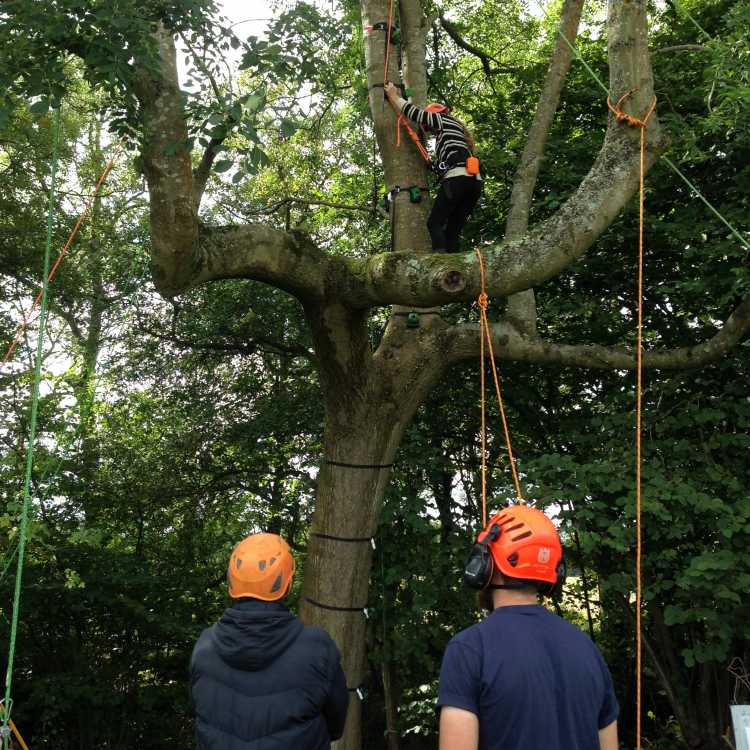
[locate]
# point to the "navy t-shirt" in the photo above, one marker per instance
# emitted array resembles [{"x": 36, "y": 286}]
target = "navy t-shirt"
[{"x": 533, "y": 679}]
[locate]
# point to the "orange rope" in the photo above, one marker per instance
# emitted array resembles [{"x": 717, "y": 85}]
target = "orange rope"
[
  {"x": 403, "y": 122},
  {"x": 14, "y": 729},
  {"x": 84, "y": 215},
  {"x": 623, "y": 118},
  {"x": 486, "y": 337}
]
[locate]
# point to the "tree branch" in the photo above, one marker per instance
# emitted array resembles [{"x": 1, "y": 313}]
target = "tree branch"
[
  {"x": 287, "y": 260},
  {"x": 203, "y": 171},
  {"x": 680, "y": 48},
  {"x": 455, "y": 35},
  {"x": 248, "y": 346},
  {"x": 512, "y": 345},
  {"x": 522, "y": 306}
]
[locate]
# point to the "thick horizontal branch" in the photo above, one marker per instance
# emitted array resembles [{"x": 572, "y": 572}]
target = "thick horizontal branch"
[
  {"x": 287, "y": 260},
  {"x": 510, "y": 345},
  {"x": 542, "y": 254}
]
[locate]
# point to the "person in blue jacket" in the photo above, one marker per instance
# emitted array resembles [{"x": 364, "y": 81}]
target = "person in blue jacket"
[
  {"x": 523, "y": 678},
  {"x": 260, "y": 679}
]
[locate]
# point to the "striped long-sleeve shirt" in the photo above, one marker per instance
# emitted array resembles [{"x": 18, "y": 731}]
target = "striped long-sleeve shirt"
[{"x": 451, "y": 147}]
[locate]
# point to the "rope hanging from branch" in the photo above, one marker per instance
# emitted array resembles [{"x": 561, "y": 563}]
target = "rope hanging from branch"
[
  {"x": 626, "y": 119},
  {"x": 485, "y": 338}
]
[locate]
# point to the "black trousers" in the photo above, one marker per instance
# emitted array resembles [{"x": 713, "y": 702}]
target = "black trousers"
[{"x": 454, "y": 203}]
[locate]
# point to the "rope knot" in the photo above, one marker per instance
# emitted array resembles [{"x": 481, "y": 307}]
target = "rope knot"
[
  {"x": 625, "y": 119},
  {"x": 483, "y": 301}
]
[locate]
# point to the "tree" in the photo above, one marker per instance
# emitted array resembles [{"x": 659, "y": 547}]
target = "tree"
[{"x": 371, "y": 394}]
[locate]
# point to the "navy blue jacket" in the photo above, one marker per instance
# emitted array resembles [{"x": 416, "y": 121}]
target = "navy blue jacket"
[{"x": 261, "y": 680}]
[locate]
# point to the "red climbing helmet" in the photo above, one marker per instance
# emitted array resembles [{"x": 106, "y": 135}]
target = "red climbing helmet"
[
  {"x": 261, "y": 567},
  {"x": 440, "y": 109},
  {"x": 528, "y": 546}
]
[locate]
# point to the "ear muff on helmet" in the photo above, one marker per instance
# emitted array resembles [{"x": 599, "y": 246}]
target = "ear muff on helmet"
[
  {"x": 554, "y": 590},
  {"x": 479, "y": 567}
]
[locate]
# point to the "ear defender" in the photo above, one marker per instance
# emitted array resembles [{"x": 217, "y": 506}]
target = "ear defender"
[
  {"x": 479, "y": 567},
  {"x": 554, "y": 590}
]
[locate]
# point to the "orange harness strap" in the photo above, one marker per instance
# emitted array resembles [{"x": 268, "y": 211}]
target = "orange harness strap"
[{"x": 402, "y": 121}]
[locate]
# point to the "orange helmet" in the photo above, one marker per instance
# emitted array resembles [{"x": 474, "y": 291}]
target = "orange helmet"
[
  {"x": 439, "y": 108},
  {"x": 262, "y": 567},
  {"x": 527, "y": 545}
]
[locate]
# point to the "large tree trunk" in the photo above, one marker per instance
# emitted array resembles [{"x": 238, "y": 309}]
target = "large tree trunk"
[{"x": 370, "y": 398}]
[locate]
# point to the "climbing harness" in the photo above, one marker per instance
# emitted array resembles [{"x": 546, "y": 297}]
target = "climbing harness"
[
  {"x": 625, "y": 119},
  {"x": 485, "y": 337}
]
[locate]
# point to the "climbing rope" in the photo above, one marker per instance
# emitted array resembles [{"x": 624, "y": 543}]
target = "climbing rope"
[
  {"x": 485, "y": 336},
  {"x": 13, "y": 728},
  {"x": 66, "y": 247},
  {"x": 626, "y": 119},
  {"x": 402, "y": 122},
  {"x": 8, "y": 702}
]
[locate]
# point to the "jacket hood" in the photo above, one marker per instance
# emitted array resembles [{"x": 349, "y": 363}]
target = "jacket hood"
[{"x": 252, "y": 634}]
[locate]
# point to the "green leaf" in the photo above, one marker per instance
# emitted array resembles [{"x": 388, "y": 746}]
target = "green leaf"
[
  {"x": 223, "y": 165},
  {"x": 288, "y": 127},
  {"x": 40, "y": 108}
]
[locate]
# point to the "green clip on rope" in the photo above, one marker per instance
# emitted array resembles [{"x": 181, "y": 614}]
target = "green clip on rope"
[{"x": 23, "y": 526}]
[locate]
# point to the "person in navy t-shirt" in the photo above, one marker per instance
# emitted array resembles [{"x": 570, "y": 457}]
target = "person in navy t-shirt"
[{"x": 523, "y": 678}]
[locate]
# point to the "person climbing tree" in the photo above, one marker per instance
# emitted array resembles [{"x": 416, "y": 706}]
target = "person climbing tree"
[{"x": 460, "y": 180}]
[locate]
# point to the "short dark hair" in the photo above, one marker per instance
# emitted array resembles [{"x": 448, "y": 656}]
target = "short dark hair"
[{"x": 523, "y": 584}]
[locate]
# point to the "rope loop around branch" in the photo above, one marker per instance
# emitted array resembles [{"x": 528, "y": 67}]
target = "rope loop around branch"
[{"x": 626, "y": 119}]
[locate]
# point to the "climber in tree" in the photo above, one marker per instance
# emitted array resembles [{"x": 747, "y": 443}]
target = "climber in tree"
[{"x": 458, "y": 169}]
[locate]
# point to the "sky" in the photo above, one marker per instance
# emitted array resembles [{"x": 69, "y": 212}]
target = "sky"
[{"x": 252, "y": 16}]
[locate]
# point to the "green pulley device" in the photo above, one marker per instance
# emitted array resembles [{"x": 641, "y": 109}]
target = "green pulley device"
[{"x": 412, "y": 320}]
